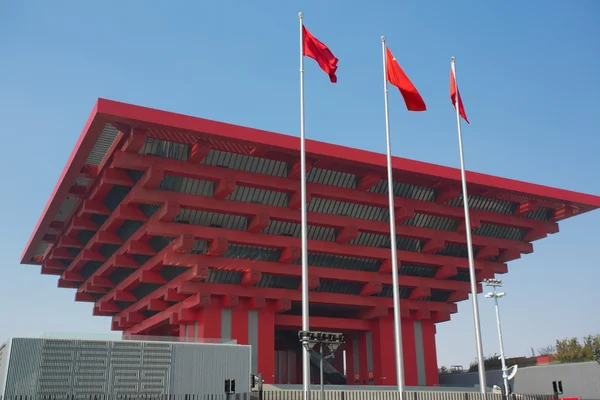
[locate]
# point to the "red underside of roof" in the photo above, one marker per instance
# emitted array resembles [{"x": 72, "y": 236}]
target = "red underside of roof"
[{"x": 105, "y": 266}]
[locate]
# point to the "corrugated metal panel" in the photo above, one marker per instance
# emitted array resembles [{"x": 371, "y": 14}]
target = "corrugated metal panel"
[
  {"x": 211, "y": 365},
  {"x": 424, "y": 271},
  {"x": 541, "y": 214},
  {"x": 187, "y": 185},
  {"x": 142, "y": 290},
  {"x": 387, "y": 291},
  {"x": 405, "y": 190},
  {"x": 332, "y": 178},
  {"x": 134, "y": 174},
  {"x": 164, "y": 149},
  {"x": 103, "y": 144},
  {"x": 279, "y": 282},
  {"x": 127, "y": 229},
  {"x": 341, "y": 262},
  {"x": 293, "y": 230},
  {"x": 252, "y": 253},
  {"x": 485, "y": 204},
  {"x": 148, "y": 209},
  {"x": 331, "y": 286},
  {"x": 115, "y": 196},
  {"x": 501, "y": 232},
  {"x": 140, "y": 259},
  {"x": 23, "y": 367},
  {"x": 383, "y": 241},
  {"x": 66, "y": 207},
  {"x": 224, "y": 276},
  {"x": 216, "y": 220},
  {"x": 159, "y": 242},
  {"x": 455, "y": 250},
  {"x": 85, "y": 236},
  {"x": 119, "y": 274},
  {"x": 431, "y": 221},
  {"x": 462, "y": 276},
  {"x": 74, "y": 252},
  {"x": 259, "y": 196},
  {"x": 170, "y": 272},
  {"x": 246, "y": 163},
  {"x": 348, "y": 209},
  {"x": 438, "y": 296},
  {"x": 98, "y": 219},
  {"x": 108, "y": 250},
  {"x": 89, "y": 268}
]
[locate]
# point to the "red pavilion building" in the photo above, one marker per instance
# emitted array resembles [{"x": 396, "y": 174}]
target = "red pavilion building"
[{"x": 174, "y": 225}]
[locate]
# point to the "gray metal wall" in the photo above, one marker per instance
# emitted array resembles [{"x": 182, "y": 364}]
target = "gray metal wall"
[
  {"x": 579, "y": 380},
  {"x": 4, "y": 351},
  {"x": 377, "y": 395},
  {"x": 89, "y": 367}
]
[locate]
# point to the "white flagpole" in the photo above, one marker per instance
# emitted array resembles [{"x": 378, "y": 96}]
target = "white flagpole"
[
  {"x": 304, "y": 230},
  {"x": 395, "y": 291},
  {"x": 473, "y": 278}
]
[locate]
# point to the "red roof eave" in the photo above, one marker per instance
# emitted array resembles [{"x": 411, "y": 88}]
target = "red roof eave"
[{"x": 107, "y": 110}]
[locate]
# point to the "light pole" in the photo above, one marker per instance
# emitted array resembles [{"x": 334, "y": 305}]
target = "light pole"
[
  {"x": 494, "y": 283},
  {"x": 331, "y": 340}
]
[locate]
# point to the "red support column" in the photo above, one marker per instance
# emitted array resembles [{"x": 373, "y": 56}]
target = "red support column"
[
  {"x": 430, "y": 353},
  {"x": 363, "y": 364},
  {"x": 384, "y": 361},
  {"x": 239, "y": 324},
  {"x": 209, "y": 323},
  {"x": 266, "y": 343},
  {"x": 409, "y": 352}
]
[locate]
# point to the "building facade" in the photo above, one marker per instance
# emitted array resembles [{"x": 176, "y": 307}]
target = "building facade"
[{"x": 174, "y": 225}]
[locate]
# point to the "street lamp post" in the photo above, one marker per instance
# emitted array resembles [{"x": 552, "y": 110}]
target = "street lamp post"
[
  {"x": 331, "y": 340},
  {"x": 494, "y": 283}
]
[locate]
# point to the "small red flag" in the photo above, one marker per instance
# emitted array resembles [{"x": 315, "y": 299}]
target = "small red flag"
[
  {"x": 314, "y": 49},
  {"x": 397, "y": 77},
  {"x": 453, "y": 91}
]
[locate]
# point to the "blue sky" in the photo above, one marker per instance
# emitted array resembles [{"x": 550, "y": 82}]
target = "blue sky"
[{"x": 527, "y": 73}]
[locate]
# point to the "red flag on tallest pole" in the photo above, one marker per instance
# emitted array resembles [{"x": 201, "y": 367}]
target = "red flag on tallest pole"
[
  {"x": 397, "y": 77},
  {"x": 316, "y": 50}
]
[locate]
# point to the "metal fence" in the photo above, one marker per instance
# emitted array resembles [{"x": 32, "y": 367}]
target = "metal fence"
[{"x": 377, "y": 395}]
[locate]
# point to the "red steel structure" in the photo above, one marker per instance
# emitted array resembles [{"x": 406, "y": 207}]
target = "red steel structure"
[{"x": 174, "y": 225}]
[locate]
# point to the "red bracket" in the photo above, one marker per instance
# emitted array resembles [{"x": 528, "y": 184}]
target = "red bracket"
[
  {"x": 290, "y": 254},
  {"x": 421, "y": 315},
  {"x": 152, "y": 277},
  {"x": 157, "y": 305},
  {"x": 136, "y": 140},
  {"x": 257, "y": 302},
  {"x": 168, "y": 212},
  {"x": 509, "y": 255},
  {"x": 183, "y": 243},
  {"x": 122, "y": 295},
  {"x": 230, "y": 301},
  {"x": 434, "y": 245},
  {"x": 114, "y": 176},
  {"x": 198, "y": 273},
  {"x": 367, "y": 181},
  {"x": 199, "y": 151},
  {"x": 486, "y": 252},
  {"x": 475, "y": 223},
  {"x": 526, "y": 207},
  {"x": 295, "y": 200},
  {"x": 313, "y": 283},
  {"x": 258, "y": 223},
  {"x": 374, "y": 312},
  {"x": 347, "y": 234},
  {"x": 224, "y": 188},
  {"x": 371, "y": 288},
  {"x": 562, "y": 213},
  {"x": 446, "y": 271},
  {"x": 386, "y": 266},
  {"x": 419, "y": 293},
  {"x": 283, "y": 305},
  {"x": 457, "y": 296},
  {"x": 218, "y": 246},
  {"x": 446, "y": 194},
  {"x": 402, "y": 214},
  {"x": 152, "y": 178},
  {"x": 294, "y": 171},
  {"x": 251, "y": 277}
]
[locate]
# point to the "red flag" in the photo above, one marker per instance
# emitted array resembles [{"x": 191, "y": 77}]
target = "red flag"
[
  {"x": 453, "y": 91},
  {"x": 397, "y": 77},
  {"x": 314, "y": 49}
]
